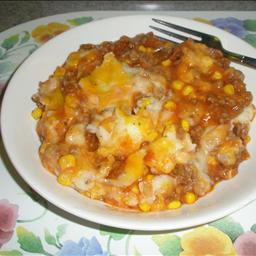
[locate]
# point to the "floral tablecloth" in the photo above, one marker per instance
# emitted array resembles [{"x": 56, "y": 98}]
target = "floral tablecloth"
[{"x": 29, "y": 225}]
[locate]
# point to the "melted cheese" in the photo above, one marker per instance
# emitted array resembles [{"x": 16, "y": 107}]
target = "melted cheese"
[
  {"x": 133, "y": 170},
  {"x": 108, "y": 82}
]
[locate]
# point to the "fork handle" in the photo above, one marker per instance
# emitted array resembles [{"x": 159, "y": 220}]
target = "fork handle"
[{"x": 248, "y": 61}]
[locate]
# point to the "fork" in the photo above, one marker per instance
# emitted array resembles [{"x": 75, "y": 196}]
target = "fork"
[{"x": 209, "y": 40}]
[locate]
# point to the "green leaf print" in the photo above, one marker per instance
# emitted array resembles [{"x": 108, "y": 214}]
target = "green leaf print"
[
  {"x": 61, "y": 230},
  {"x": 251, "y": 39},
  {"x": 253, "y": 228},
  {"x": 230, "y": 227},
  {"x": 10, "y": 253},
  {"x": 25, "y": 37},
  {"x": 168, "y": 244},
  {"x": 114, "y": 233},
  {"x": 28, "y": 241},
  {"x": 49, "y": 238},
  {"x": 80, "y": 21},
  {"x": 10, "y": 42},
  {"x": 250, "y": 25},
  {"x": 6, "y": 67},
  {"x": 1, "y": 52}
]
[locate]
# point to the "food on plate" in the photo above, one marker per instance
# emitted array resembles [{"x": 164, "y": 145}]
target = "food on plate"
[{"x": 143, "y": 124}]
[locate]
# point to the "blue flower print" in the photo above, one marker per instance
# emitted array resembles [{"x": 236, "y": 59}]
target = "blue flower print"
[
  {"x": 232, "y": 25},
  {"x": 84, "y": 247}
]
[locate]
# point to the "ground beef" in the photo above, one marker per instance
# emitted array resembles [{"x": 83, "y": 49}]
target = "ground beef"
[{"x": 92, "y": 141}]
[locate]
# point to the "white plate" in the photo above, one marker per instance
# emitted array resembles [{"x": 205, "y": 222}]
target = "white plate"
[{"x": 21, "y": 140}]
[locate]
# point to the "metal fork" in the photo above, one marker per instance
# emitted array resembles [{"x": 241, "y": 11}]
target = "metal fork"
[{"x": 209, "y": 40}]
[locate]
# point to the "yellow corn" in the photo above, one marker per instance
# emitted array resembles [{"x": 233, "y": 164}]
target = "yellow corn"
[
  {"x": 177, "y": 85},
  {"x": 216, "y": 75},
  {"x": 175, "y": 204},
  {"x": 185, "y": 125},
  {"x": 146, "y": 102},
  {"x": 67, "y": 161},
  {"x": 59, "y": 72},
  {"x": 149, "y": 177},
  {"x": 56, "y": 99},
  {"x": 170, "y": 127},
  {"x": 187, "y": 90},
  {"x": 152, "y": 135},
  {"x": 43, "y": 147},
  {"x": 142, "y": 48},
  {"x": 37, "y": 113},
  {"x": 247, "y": 139},
  {"x": 212, "y": 160},
  {"x": 73, "y": 59},
  {"x": 166, "y": 63},
  {"x": 145, "y": 207},
  {"x": 90, "y": 55},
  {"x": 229, "y": 89},
  {"x": 170, "y": 104},
  {"x": 96, "y": 192},
  {"x": 135, "y": 189},
  {"x": 189, "y": 197},
  {"x": 65, "y": 178}
]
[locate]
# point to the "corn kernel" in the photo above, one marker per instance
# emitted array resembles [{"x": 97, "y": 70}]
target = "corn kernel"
[
  {"x": 185, "y": 125},
  {"x": 170, "y": 104},
  {"x": 145, "y": 207},
  {"x": 216, "y": 75},
  {"x": 149, "y": 49},
  {"x": 175, "y": 204},
  {"x": 166, "y": 63},
  {"x": 90, "y": 55},
  {"x": 73, "y": 59},
  {"x": 67, "y": 161},
  {"x": 135, "y": 189},
  {"x": 170, "y": 127},
  {"x": 152, "y": 135},
  {"x": 56, "y": 99},
  {"x": 212, "y": 160},
  {"x": 142, "y": 48},
  {"x": 189, "y": 197},
  {"x": 177, "y": 85},
  {"x": 59, "y": 72},
  {"x": 187, "y": 90},
  {"x": 43, "y": 147},
  {"x": 149, "y": 177},
  {"x": 65, "y": 178},
  {"x": 229, "y": 89},
  {"x": 247, "y": 139},
  {"x": 96, "y": 192},
  {"x": 146, "y": 102},
  {"x": 37, "y": 113}
]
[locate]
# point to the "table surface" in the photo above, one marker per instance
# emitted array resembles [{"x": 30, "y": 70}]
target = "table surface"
[
  {"x": 16, "y": 12},
  {"x": 36, "y": 227}
]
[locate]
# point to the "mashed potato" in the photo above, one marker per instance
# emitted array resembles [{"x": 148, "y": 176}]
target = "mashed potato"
[{"x": 143, "y": 124}]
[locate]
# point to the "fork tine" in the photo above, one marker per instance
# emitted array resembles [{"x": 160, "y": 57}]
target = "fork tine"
[
  {"x": 167, "y": 40},
  {"x": 169, "y": 33},
  {"x": 180, "y": 28}
]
